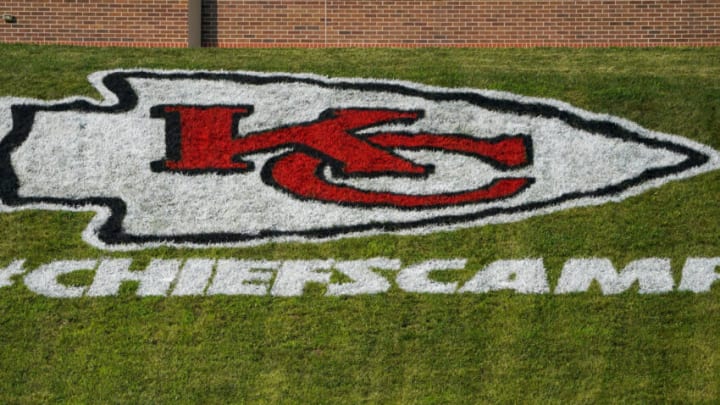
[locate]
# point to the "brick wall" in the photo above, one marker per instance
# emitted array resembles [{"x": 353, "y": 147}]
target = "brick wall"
[
  {"x": 461, "y": 23},
  {"x": 96, "y": 22},
  {"x": 234, "y": 23}
]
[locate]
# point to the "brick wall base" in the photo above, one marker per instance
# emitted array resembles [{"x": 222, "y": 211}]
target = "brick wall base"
[
  {"x": 367, "y": 23},
  {"x": 96, "y": 22}
]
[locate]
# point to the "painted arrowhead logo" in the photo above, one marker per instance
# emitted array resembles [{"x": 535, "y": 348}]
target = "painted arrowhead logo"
[
  {"x": 217, "y": 158},
  {"x": 202, "y": 140}
]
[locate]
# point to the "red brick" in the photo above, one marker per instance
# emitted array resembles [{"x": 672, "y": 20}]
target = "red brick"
[{"x": 313, "y": 23}]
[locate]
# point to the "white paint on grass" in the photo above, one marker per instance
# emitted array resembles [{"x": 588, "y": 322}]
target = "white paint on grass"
[
  {"x": 154, "y": 280},
  {"x": 290, "y": 278},
  {"x": 242, "y": 277},
  {"x": 416, "y": 278},
  {"x": 44, "y": 280},
  {"x": 653, "y": 275},
  {"x": 523, "y": 276},
  {"x": 193, "y": 277},
  {"x": 108, "y": 154},
  {"x": 293, "y": 276},
  {"x": 13, "y": 269},
  {"x": 364, "y": 279},
  {"x": 699, "y": 274}
]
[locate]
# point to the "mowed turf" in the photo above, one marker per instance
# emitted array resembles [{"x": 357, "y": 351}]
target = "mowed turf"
[{"x": 396, "y": 347}]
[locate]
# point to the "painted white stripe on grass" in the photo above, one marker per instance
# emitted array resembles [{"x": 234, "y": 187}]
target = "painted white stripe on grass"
[
  {"x": 154, "y": 280},
  {"x": 13, "y": 269},
  {"x": 194, "y": 277},
  {"x": 44, "y": 281},
  {"x": 653, "y": 275},
  {"x": 242, "y": 277},
  {"x": 364, "y": 280},
  {"x": 291, "y": 278},
  {"x": 416, "y": 278},
  {"x": 523, "y": 276},
  {"x": 699, "y": 274}
]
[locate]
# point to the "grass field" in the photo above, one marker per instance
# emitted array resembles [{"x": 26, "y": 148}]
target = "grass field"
[{"x": 396, "y": 347}]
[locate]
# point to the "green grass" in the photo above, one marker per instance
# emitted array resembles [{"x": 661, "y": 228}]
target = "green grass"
[{"x": 396, "y": 347}]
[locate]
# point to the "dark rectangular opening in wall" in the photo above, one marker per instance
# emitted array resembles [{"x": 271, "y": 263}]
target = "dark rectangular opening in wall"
[{"x": 209, "y": 23}]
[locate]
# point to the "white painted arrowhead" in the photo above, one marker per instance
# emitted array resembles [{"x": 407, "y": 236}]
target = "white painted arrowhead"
[{"x": 77, "y": 154}]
